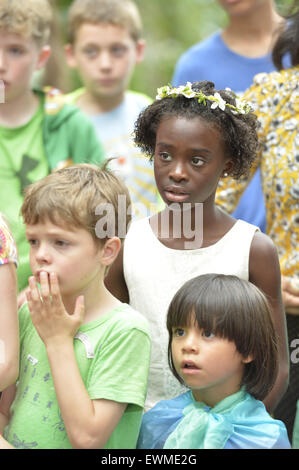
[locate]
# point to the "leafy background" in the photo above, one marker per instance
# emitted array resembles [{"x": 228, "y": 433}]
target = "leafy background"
[{"x": 170, "y": 27}]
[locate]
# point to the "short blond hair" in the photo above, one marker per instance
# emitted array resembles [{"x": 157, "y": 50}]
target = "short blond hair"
[
  {"x": 117, "y": 12},
  {"x": 30, "y": 18},
  {"x": 71, "y": 197}
]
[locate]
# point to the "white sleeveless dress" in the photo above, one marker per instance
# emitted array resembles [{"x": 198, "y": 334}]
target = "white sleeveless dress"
[{"x": 154, "y": 273}]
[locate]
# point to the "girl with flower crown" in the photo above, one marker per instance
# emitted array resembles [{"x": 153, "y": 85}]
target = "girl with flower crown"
[
  {"x": 196, "y": 136},
  {"x": 223, "y": 346},
  {"x": 9, "y": 340}
]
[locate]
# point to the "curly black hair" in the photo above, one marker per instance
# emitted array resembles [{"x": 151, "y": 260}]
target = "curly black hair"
[{"x": 238, "y": 130}]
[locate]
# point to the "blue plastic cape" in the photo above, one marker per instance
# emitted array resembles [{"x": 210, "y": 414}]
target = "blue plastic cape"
[{"x": 237, "y": 422}]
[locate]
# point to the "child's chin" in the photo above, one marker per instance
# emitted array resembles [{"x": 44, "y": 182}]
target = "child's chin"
[{"x": 66, "y": 291}]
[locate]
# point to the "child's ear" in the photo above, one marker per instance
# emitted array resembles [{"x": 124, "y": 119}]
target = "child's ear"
[
  {"x": 248, "y": 359},
  {"x": 110, "y": 251},
  {"x": 140, "y": 48},
  {"x": 69, "y": 55},
  {"x": 43, "y": 57},
  {"x": 228, "y": 167}
]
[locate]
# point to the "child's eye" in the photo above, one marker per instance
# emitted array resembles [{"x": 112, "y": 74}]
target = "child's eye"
[
  {"x": 178, "y": 331},
  {"x": 118, "y": 50},
  {"x": 165, "y": 156},
  {"x": 32, "y": 241},
  {"x": 61, "y": 243},
  {"x": 16, "y": 50},
  {"x": 208, "y": 334},
  {"x": 90, "y": 52},
  {"x": 197, "y": 161}
]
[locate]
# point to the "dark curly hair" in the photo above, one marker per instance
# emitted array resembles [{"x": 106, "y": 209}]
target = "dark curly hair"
[{"x": 238, "y": 130}]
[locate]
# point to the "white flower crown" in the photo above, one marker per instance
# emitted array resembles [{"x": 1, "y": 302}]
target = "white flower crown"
[{"x": 218, "y": 102}]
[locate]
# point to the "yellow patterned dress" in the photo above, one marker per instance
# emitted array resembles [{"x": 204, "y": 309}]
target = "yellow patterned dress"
[
  {"x": 8, "y": 249},
  {"x": 275, "y": 98}
]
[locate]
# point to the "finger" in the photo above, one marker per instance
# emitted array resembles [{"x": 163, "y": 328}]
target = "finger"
[
  {"x": 44, "y": 286},
  {"x": 293, "y": 301},
  {"x": 35, "y": 295},
  {"x": 292, "y": 310},
  {"x": 31, "y": 308},
  {"x": 28, "y": 296},
  {"x": 54, "y": 288},
  {"x": 290, "y": 300}
]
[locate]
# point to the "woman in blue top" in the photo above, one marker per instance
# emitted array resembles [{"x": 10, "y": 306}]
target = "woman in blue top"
[{"x": 223, "y": 346}]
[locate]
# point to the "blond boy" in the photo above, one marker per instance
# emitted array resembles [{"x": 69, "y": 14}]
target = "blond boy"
[
  {"x": 84, "y": 355},
  {"x": 105, "y": 45},
  {"x": 38, "y": 133}
]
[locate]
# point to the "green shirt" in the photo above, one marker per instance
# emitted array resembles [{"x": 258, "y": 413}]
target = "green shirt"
[
  {"x": 22, "y": 161},
  {"x": 112, "y": 354}
]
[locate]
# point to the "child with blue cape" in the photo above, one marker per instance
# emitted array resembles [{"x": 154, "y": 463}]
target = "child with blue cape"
[{"x": 223, "y": 346}]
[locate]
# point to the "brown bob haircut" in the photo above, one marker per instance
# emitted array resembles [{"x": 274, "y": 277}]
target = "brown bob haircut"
[
  {"x": 70, "y": 197},
  {"x": 236, "y": 310}
]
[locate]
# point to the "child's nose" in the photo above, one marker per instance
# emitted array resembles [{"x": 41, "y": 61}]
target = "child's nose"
[
  {"x": 178, "y": 171},
  {"x": 43, "y": 255},
  {"x": 191, "y": 344},
  {"x": 104, "y": 60}
]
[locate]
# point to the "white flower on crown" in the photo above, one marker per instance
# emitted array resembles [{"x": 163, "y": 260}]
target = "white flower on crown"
[
  {"x": 186, "y": 90},
  {"x": 242, "y": 107},
  {"x": 163, "y": 92},
  {"x": 219, "y": 102},
  {"x": 239, "y": 106}
]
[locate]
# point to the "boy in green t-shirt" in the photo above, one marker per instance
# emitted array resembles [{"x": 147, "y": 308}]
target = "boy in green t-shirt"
[
  {"x": 38, "y": 133},
  {"x": 84, "y": 355},
  {"x": 105, "y": 45}
]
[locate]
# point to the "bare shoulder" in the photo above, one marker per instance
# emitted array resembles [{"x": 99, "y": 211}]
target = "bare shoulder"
[
  {"x": 262, "y": 245},
  {"x": 264, "y": 268}
]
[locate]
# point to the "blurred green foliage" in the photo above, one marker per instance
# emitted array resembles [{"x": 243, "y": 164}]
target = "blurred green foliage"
[{"x": 170, "y": 27}]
